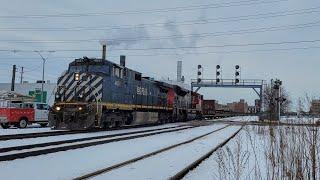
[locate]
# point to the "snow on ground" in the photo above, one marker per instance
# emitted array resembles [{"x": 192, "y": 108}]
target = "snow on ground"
[
  {"x": 73, "y": 163},
  {"x": 295, "y": 119},
  {"x": 168, "y": 163},
  {"x": 24, "y": 131},
  {"x": 21, "y": 142},
  {"x": 81, "y": 142},
  {"x": 249, "y": 144},
  {"x": 264, "y": 152},
  {"x": 238, "y": 118}
]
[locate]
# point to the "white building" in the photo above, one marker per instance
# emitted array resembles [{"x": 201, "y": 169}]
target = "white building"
[{"x": 26, "y": 88}]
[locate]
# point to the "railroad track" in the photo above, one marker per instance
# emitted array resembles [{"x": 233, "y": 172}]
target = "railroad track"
[
  {"x": 196, "y": 163},
  {"x": 265, "y": 123},
  {"x": 12, "y": 153},
  {"x": 58, "y": 133},
  {"x": 125, "y": 163}
]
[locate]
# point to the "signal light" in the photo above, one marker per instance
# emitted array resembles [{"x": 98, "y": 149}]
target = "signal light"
[
  {"x": 199, "y": 80},
  {"x": 199, "y": 66},
  {"x": 237, "y": 81},
  {"x": 199, "y": 73},
  {"x": 237, "y": 73},
  {"x": 218, "y": 73},
  {"x": 237, "y": 67},
  {"x": 77, "y": 77}
]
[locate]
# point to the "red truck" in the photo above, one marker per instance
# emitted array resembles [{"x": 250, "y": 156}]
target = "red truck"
[{"x": 19, "y": 113}]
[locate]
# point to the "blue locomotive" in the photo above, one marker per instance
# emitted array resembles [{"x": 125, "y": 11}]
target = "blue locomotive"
[{"x": 99, "y": 93}]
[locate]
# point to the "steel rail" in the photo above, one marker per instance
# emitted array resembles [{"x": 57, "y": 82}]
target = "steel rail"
[
  {"x": 116, "y": 166},
  {"x": 196, "y": 163},
  {"x": 31, "y": 153},
  {"x": 57, "y": 133},
  {"x": 31, "y": 146}
]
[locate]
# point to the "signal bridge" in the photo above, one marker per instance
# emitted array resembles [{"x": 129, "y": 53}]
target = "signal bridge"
[{"x": 255, "y": 84}]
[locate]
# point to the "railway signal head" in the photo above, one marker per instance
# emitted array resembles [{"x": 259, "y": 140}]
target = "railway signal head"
[
  {"x": 218, "y": 67},
  {"x": 199, "y": 66},
  {"x": 199, "y": 73},
  {"x": 218, "y": 73},
  {"x": 237, "y": 74}
]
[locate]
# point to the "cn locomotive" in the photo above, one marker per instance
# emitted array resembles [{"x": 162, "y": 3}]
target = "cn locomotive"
[{"x": 97, "y": 93}]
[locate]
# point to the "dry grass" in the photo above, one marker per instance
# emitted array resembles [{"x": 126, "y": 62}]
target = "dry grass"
[{"x": 274, "y": 152}]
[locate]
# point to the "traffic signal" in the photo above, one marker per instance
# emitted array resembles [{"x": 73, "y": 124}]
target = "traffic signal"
[
  {"x": 218, "y": 74},
  {"x": 237, "y": 74}
]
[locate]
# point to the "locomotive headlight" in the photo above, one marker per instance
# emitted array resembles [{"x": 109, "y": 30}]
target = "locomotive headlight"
[
  {"x": 57, "y": 96},
  {"x": 80, "y": 95},
  {"x": 77, "y": 77},
  {"x": 58, "y": 108},
  {"x": 80, "y": 108}
]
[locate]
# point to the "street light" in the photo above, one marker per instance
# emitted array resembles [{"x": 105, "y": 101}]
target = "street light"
[{"x": 43, "y": 63}]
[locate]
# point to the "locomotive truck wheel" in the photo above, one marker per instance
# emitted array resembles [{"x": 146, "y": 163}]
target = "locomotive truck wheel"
[
  {"x": 23, "y": 123},
  {"x": 5, "y": 125}
]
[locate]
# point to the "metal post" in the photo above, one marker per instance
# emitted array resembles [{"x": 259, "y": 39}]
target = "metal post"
[
  {"x": 21, "y": 75},
  {"x": 42, "y": 82},
  {"x": 261, "y": 99},
  {"x": 14, "y": 69}
]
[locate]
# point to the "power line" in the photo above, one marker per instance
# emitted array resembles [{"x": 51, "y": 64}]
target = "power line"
[
  {"x": 199, "y": 47},
  {"x": 181, "y": 23},
  {"x": 198, "y": 35},
  {"x": 144, "y": 11},
  {"x": 204, "y": 52},
  {"x": 189, "y": 47}
]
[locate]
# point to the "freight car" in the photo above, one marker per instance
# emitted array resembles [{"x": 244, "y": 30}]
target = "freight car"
[
  {"x": 99, "y": 93},
  {"x": 209, "y": 108}
]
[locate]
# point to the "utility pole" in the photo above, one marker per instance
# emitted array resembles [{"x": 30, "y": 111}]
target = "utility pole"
[
  {"x": 42, "y": 82},
  {"x": 43, "y": 64},
  {"x": 14, "y": 69},
  {"x": 21, "y": 75}
]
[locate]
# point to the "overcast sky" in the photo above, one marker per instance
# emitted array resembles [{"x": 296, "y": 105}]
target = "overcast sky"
[{"x": 267, "y": 38}]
